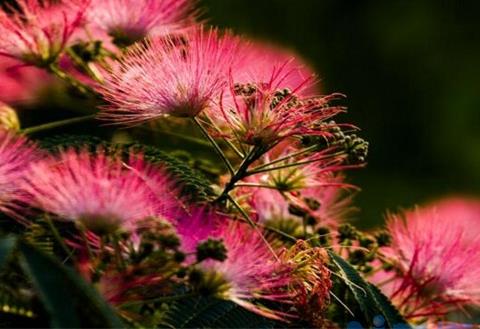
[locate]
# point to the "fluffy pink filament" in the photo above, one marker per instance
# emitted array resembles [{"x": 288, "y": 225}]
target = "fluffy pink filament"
[
  {"x": 250, "y": 271},
  {"x": 265, "y": 113},
  {"x": 141, "y": 18},
  {"x": 16, "y": 155},
  {"x": 260, "y": 59},
  {"x": 166, "y": 77},
  {"x": 439, "y": 261},
  {"x": 99, "y": 190}
]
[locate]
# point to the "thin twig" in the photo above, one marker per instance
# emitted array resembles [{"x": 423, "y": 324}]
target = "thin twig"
[
  {"x": 253, "y": 225},
  {"x": 215, "y": 145},
  {"x": 56, "y": 124}
]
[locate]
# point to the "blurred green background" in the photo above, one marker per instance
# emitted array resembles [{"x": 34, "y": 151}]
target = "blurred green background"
[{"x": 410, "y": 70}]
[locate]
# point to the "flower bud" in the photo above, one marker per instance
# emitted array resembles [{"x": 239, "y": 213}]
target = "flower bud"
[{"x": 8, "y": 118}]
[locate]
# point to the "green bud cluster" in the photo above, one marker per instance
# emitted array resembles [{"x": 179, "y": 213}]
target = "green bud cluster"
[{"x": 211, "y": 249}]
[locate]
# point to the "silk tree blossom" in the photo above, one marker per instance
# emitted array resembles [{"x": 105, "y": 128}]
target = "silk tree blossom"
[
  {"x": 38, "y": 31},
  {"x": 310, "y": 280},
  {"x": 16, "y": 154},
  {"x": 266, "y": 113},
  {"x": 162, "y": 77},
  {"x": 437, "y": 263},
  {"x": 250, "y": 271},
  {"x": 260, "y": 59},
  {"x": 128, "y": 21},
  {"x": 329, "y": 203},
  {"x": 101, "y": 193},
  {"x": 309, "y": 181},
  {"x": 196, "y": 225},
  {"x": 465, "y": 210}
]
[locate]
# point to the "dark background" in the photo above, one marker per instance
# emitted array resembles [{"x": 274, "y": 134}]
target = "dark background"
[{"x": 410, "y": 70}]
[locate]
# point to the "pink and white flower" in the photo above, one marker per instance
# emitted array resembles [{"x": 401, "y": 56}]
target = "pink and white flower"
[
  {"x": 128, "y": 21},
  {"x": 102, "y": 193},
  {"x": 163, "y": 77},
  {"x": 261, "y": 59},
  {"x": 437, "y": 262},
  {"x": 265, "y": 113}
]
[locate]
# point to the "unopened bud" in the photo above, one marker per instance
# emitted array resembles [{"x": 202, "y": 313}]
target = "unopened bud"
[
  {"x": 211, "y": 249},
  {"x": 8, "y": 118}
]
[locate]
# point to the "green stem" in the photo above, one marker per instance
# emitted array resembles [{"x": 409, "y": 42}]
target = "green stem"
[
  {"x": 81, "y": 87},
  {"x": 271, "y": 229},
  {"x": 93, "y": 73},
  {"x": 253, "y": 225},
  {"x": 56, "y": 124},
  {"x": 57, "y": 236},
  {"x": 193, "y": 140},
  {"x": 239, "y": 174},
  {"x": 227, "y": 141},
  {"x": 295, "y": 154},
  {"x": 288, "y": 165},
  {"x": 215, "y": 145}
]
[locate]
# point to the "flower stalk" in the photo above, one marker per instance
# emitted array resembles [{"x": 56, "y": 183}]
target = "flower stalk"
[{"x": 57, "y": 124}]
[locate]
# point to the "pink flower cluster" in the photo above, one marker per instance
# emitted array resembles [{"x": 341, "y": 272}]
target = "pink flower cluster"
[
  {"x": 130, "y": 222},
  {"x": 436, "y": 254}
]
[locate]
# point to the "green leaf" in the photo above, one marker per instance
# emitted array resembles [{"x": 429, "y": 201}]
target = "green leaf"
[
  {"x": 391, "y": 314},
  {"x": 207, "y": 312},
  {"x": 369, "y": 298},
  {"x": 7, "y": 245},
  {"x": 70, "y": 301}
]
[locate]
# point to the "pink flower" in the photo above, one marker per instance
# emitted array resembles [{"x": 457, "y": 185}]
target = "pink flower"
[
  {"x": 163, "y": 77},
  {"x": 268, "y": 204},
  {"x": 130, "y": 20},
  {"x": 265, "y": 113},
  {"x": 198, "y": 225},
  {"x": 465, "y": 210},
  {"x": 329, "y": 203},
  {"x": 38, "y": 31},
  {"x": 261, "y": 59},
  {"x": 102, "y": 193},
  {"x": 308, "y": 181},
  {"x": 16, "y": 154},
  {"x": 437, "y": 262},
  {"x": 250, "y": 270}
]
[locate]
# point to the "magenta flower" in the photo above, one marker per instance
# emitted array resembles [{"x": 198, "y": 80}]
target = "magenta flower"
[
  {"x": 438, "y": 262},
  {"x": 103, "y": 194},
  {"x": 16, "y": 154},
  {"x": 465, "y": 210},
  {"x": 197, "y": 225},
  {"x": 324, "y": 200},
  {"x": 38, "y": 31},
  {"x": 250, "y": 270},
  {"x": 164, "y": 78},
  {"x": 130, "y": 20},
  {"x": 265, "y": 113},
  {"x": 328, "y": 202},
  {"x": 261, "y": 59}
]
